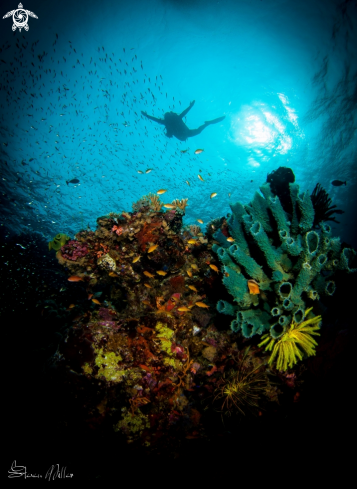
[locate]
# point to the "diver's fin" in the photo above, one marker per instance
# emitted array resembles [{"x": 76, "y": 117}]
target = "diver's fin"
[{"x": 220, "y": 119}]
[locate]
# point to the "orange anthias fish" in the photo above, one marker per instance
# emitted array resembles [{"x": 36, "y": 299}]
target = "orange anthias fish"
[
  {"x": 214, "y": 267},
  {"x": 198, "y": 151},
  {"x": 148, "y": 274},
  {"x": 171, "y": 303},
  {"x": 152, "y": 248},
  {"x": 75, "y": 278},
  {"x": 199, "y": 176},
  {"x": 230, "y": 239},
  {"x": 201, "y": 304},
  {"x": 161, "y": 191},
  {"x": 96, "y": 301},
  {"x": 192, "y": 287},
  {"x": 253, "y": 287}
]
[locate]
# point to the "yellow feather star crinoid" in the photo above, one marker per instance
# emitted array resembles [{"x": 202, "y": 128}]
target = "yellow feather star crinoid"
[{"x": 296, "y": 341}]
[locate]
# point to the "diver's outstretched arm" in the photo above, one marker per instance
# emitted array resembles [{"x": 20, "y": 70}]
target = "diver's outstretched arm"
[
  {"x": 186, "y": 110},
  {"x": 160, "y": 121}
]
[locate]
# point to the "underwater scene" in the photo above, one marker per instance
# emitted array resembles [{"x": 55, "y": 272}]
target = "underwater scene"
[{"x": 178, "y": 232}]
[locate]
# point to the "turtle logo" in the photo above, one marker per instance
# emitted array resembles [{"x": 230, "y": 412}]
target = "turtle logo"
[{"x": 20, "y": 18}]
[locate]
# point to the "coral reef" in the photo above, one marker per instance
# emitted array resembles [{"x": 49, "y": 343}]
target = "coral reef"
[{"x": 156, "y": 351}]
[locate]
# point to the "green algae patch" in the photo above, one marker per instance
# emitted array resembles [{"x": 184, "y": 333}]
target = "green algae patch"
[
  {"x": 132, "y": 425},
  {"x": 165, "y": 336},
  {"x": 87, "y": 369},
  {"x": 108, "y": 366}
]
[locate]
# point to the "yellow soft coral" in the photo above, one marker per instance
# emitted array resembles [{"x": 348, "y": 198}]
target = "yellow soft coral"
[{"x": 287, "y": 346}]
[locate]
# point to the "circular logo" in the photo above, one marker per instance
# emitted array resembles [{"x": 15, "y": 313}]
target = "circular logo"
[{"x": 20, "y": 18}]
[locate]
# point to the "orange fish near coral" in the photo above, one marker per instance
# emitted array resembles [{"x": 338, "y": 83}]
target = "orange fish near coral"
[
  {"x": 192, "y": 287},
  {"x": 253, "y": 287},
  {"x": 201, "y": 304},
  {"x": 171, "y": 303},
  {"x": 214, "y": 267},
  {"x": 161, "y": 191},
  {"x": 96, "y": 301},
  {"x": 152, "y": 248},
  {"x": 161, "y": 272},
  {"x": 148, "y": 274},
  {"x": 75, "y": 278}
]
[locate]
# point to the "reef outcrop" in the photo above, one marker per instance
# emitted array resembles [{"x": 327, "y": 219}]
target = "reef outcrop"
[{"x": 292, "y": 263}]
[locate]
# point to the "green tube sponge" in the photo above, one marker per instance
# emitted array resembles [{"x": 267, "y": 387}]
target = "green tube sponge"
[
  {"x": 236, "y": 231},
  {"x": 279, "y": 214},
  {"x": 249, "y": 264},
  {"x": 306, "y": 275},
  {"x": 311, "y": 245},
  {"x": 325, "y": 229},
  {"x": 238, "y": 211},
  {"x": 307, "y": 212},
  {"x": 215, "y": 248},
  {"x": 325, "y": 244},
  {"x": 319, "y": 263},
  {"x": 275, "y": 311},
  {"x": 258, "y": 209},
  {"x": 253, "y": 322},
  {"x": 294, "y": 192},
  {"x": 58, "y": 241},
  {"x": 292, "y": 246},
  {"x": 226, "y": 308},
  {"x": 346, "y": 259},
  {"x": 284, "y": 290},
  {"x": 312, "y": 293},
  {"x": 272, "y": 256},
  {"x": 335, "y": 247},
  {"x": 288, "y": 305},
  {"x": 277, "y": 330},
  {"x": 237, "y": 286},
  {"x": 266, "y": 191},
  {"x": 299, "y": 315},
  {"x": 330, "y": 287},
  {"x": 226, "y": 259},
  {"x": 235, "y": 325},
  {"x": 221, "y": 238},
  {"x": 284, "y": 320}
]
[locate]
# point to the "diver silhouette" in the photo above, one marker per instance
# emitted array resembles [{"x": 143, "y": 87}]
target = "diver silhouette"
[{"x": 175, "y": 126}]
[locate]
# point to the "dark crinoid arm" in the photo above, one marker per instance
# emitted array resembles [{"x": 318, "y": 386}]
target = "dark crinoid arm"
[{"x": 322, "y": 206}]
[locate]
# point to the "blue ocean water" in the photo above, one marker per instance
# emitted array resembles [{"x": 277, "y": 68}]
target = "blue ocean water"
[{"x": 73, "y": 87}]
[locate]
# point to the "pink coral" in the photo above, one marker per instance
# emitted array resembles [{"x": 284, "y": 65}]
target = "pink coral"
[
  {"x": 73, "y": 250},
  {"x": 117, "y": 229}
]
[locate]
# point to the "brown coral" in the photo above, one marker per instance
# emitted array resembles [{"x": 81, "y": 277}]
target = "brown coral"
[
  {"x": 194, "y": 230},
  {"x": 181, "y": 204},
  {"x": 155, "y": 202}
]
